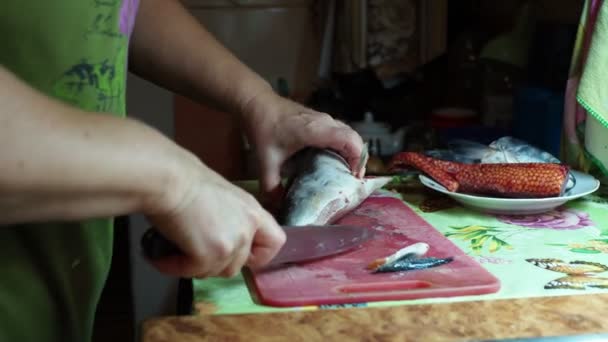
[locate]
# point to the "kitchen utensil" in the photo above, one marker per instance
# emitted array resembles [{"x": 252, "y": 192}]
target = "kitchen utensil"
[
  {"x": 345, "y": 279},
  {"x": 302, "y": 244}
]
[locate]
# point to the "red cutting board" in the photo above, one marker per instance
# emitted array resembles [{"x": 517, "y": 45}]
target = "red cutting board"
[{"x": 342, "y": 279}]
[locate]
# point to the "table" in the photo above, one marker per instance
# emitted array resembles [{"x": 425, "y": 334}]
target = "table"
[
  {"x": 523, "y": 307},
  {"x": 474, "y": 320}
]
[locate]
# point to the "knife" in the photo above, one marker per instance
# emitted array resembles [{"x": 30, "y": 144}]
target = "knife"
[{"x": 303, "y": 243}]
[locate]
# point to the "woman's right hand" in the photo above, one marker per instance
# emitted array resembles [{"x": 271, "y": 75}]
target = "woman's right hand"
[{"x": 218, "y": 227}]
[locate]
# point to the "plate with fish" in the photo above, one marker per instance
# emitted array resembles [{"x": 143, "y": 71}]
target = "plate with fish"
[{"x": 585, "y": 184}]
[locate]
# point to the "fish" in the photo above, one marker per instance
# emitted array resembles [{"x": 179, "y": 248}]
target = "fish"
[
  {"x": 576, "y": 267},
  {"x": 514, "y": 180},
  {"x": 321, "y": 188},
  {"x": 407, "y": 259},
  {"x": 414, "y": 250},
  {"x": 409, "y": 263},
  {"x": 504, "y": 150},
  {"x": 515, "y": 150},
  {"x": 577, "y": 283}
]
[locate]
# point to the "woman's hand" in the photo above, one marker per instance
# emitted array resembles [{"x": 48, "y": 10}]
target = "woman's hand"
[{"x": 278, "y": 127}]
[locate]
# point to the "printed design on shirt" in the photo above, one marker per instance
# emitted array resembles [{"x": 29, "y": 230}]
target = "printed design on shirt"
[
  {"x": 99, "y": 85},
  {"x": 99, "y": 3},
  {"x": 104, "y": 24},
  {"x": 95, "y": 85},
  {"x": 111, "y": 21}
]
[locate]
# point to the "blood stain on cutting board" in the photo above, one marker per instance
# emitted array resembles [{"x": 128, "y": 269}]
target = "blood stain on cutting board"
[
  {"x": 303, "y": 273},
  {"x": 378, "y": 213}
]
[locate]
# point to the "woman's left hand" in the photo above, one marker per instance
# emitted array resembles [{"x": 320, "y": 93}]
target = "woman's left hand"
[{"x": 278, "y": 127}]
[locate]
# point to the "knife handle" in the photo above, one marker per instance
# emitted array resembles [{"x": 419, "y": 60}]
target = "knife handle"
[{"x": 156, "y": 246}]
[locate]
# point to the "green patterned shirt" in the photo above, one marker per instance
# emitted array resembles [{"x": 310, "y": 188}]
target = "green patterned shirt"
[{"x": 53, "y": 273}]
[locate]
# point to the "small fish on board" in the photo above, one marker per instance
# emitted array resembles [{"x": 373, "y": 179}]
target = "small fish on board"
[{"x": 407, "y": 259}]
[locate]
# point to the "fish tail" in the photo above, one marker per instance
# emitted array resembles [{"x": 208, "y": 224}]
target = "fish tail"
[{"x": 437, "y": 169}]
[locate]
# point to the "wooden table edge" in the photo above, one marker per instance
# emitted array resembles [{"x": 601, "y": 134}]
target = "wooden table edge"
[{"x": 456, "y": 321}]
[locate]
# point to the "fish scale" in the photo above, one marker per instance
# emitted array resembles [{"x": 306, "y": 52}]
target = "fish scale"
[
  {"x": 505, "y": 179},
  {"x": 323, "y": 188},
  {"x": 514, "y": 180}
]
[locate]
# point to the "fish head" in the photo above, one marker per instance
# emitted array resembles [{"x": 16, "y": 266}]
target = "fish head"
[
  {"x": 523, "y": 152},
  {"x": 324, "y": 190}
]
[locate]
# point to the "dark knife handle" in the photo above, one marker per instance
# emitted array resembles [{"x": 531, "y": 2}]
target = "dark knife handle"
[{"x": 156, "y": 246}]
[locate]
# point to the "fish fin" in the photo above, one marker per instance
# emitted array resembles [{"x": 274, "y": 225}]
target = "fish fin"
[
  {"x": 363, "y": 158},
  {"x": 571, "y": 183},
  {"x": 440, "y": 170},
  {"x": 371, "y": 184}
]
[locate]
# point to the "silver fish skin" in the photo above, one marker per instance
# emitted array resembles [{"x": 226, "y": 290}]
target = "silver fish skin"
[
  {"x": 450, "y": 155},
  {"x": 519, "y": 151},
  {"x": 410, "y": 263},
  {"x": 504, "y": 150},
  {"x": 323, "y": 189}
]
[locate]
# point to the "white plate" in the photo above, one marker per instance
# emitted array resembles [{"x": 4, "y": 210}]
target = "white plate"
[{"x": 585, "y": 184}]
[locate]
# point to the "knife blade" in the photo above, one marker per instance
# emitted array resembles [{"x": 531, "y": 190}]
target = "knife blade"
[
  {"x": 303, "y": 243},
  {"x": 313, "y": 242}
]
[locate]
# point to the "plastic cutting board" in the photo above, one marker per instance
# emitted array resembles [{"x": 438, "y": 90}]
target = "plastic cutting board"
[{"x": 343, "y": 278}]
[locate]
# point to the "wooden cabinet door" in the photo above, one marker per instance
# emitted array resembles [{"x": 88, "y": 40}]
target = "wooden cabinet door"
[{"x": 214, "y": 136}]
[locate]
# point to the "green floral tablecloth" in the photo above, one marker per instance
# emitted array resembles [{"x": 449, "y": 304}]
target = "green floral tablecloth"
[{"x": 512, "y": 248}]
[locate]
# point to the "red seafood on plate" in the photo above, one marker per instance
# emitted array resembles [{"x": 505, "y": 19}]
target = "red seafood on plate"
[{"x": 502, "y": 188}]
